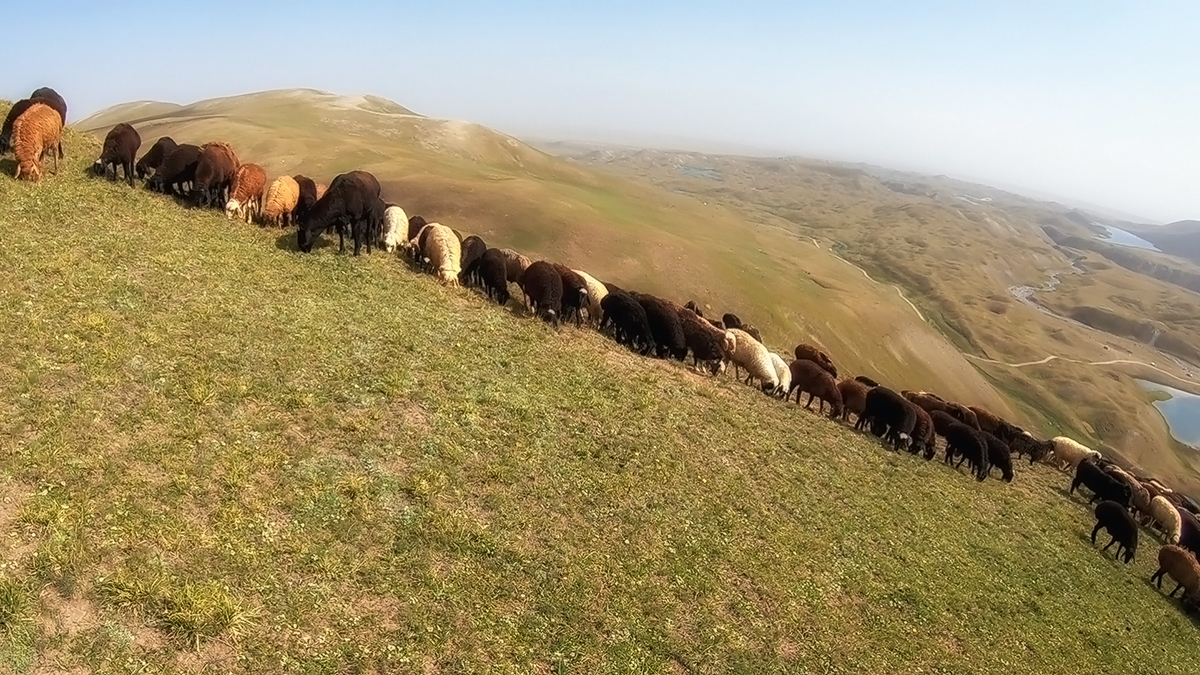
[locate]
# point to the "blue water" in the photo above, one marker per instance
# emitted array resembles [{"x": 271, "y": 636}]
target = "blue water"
[
  {"x": 1118, "y": 236},
  {"x": 1182, "y": 412},
  {"x": 699, "y": 172}
]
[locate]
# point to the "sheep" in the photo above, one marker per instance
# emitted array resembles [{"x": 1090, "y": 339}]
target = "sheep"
[
  {"x": 1068, "y": 453},
  {"x": 351, "y": 201},
  {"x": 866, "y": 380},
  {"x": 1113, "y": 517},
  {"x": 1183, "y": 568},
  {"x": 306, "y": 199},
  {"x": 999, "y": 456},
  {"x": 748, "y": 353},
  {"x": 155, "y": 156},
  {"x": 177, "y": 170},
  {"x": 987, "y": 420},
  {"x": 784, "y": 374},
  {"x": 707, "y": 344},
  {"x": 55, "y": 101},
  {"x": 215, "y": 172},
  {"x": 516, "y": 264},
  {"x": 1026, "y": 444},
  {"x": 395, "y": 224},
  {"x": 808, "y": 377},
  {"x": 473, "y": 248},
  {"x": 926, "y": 401},
  {"x": 854, "y": 397},
  {"x": 963, "y": 439},
  {"x": 596, "y": 292},
  {"x": 493, "y": 276},
  {"x": 963, "y": 414},
  {"x": 247, "y": 195},
  {"x": 574, "y": 294},
  {"x": 1102, "y": 485},
  {"x": 889, "y": 415},
  {"x": 280, "y": 201},
  {"x": 666, "y": 329},
  {"x": 1139, "y": 498},
  {"x": 415, "y": 223},
  {"x": 628, "y": 318},
  {"x": 731, "y": 321},
  {"x": 35, "y": 133},
  {"x": 1167, "y": 518},
  {"x": 811, "y": 353},
  {"x": 44, "y": 96},
  {"x": 543, "y": 290},
  {"x": 691, "y": 304},
  {"x": 941, "y": 421},
  {"x": 924, "y": 439},
  {"x": 120, "y": 149},
  {"x": 443, "y": 252}
]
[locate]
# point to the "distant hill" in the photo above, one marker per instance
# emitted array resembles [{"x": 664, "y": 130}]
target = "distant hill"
[{"x": 1181, "y": 238}]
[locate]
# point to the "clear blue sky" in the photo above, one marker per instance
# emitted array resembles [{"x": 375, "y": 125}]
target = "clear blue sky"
[{"x": 1095, "y": 101}]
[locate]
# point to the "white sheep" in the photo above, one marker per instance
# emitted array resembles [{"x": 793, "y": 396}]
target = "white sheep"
[
  {"x": 595, "y": 293},
  {"x": 443, "y": 253},
  {"x": 1068, "y": 453},
  {"x": 783, "y": 372},
  {"x": 395, "y": 228},
  {"x": 1167, "y": 518},
  {"x": 746, "y": 352}
]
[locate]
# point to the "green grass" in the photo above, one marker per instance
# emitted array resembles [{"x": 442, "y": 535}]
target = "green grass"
[{"x": 234, "y": 458}]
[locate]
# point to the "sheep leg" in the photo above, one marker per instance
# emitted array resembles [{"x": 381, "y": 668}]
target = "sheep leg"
[
  {"x": 1172, "y": 593},
  {"x": 1110, "y": 543},
  {"x": 1095, "y": 531}
]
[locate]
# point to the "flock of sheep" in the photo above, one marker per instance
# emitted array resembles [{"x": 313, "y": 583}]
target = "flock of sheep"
[{"x": 911, "y": 421}]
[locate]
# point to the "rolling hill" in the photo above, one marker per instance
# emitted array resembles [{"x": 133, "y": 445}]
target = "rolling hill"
[{"x": 220, "y": 455}]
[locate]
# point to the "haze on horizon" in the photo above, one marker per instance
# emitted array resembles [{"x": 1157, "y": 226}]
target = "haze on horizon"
[{"x": 1094, "y": 101}]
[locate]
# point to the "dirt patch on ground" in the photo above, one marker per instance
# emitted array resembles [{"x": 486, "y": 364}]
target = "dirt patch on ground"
[
  {"x": 67, "y": 616},
  {"x": 216, "y": 656},
  {"x": 13, "y": 547}
]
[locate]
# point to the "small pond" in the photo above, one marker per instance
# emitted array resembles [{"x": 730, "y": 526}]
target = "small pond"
[
  {"x": 1124, "y": 238},
  {"x": 1182, "y": 412}
]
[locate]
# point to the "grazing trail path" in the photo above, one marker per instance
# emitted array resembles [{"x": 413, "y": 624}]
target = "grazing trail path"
[{"x": 1111, "y": 362}]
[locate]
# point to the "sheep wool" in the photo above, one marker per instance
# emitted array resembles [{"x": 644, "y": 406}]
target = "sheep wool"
[
  {"x": 443, "y": 253},
  {"x": 281, "y": 199},
  {"x": 1167, "y": 518},
  {"x": 1068, "y": 453},
  {"x": 36, "y": 132},
  {"x": 247, "y": 196},
  {"x": 750, "y": 354},
  {"x": 1183, "y": 568},
  {"x": 395, "y": 226},
  {"x": 783, "y": 373},
  {"x": 596, "y": 292}
]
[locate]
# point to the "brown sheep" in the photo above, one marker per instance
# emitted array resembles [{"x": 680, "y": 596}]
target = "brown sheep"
[
  {"x": 247, "y": 198},
  {"x": 811, "y": 353},
  {"x": 215, "y": 173},
  {"x": 281, "y": 201},
  {"x": 988, "y": 421},
  {"x": 810, "y": 378},
  {"x": 36, "y": 132},
  {"x": 854, "y": 398},
  {"x": 963, "y": 414},
  {"x": 515, "y": 264},
  {"x": 925, "y": 401}
]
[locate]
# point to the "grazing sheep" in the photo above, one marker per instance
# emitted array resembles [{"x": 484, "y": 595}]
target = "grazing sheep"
[
  {"x": 247, "y": 198},
  {"x": 352, "y": 201},
  {"x": 866, "y": 380},
  {"x": 574, "y": 297},
  {"x": 55, "y": 101},
  {"x": 154, "y": 157},
  {"x": 987, "y": 420},
  {"x": 930, "y": 403},
  {"x": 967, "y": 441},
  {"x": 1167, "y": 518},
  {"x": 1068, "y": 453},
  {"x": 784, "y": 374},
  {"x": 415, "y": 223},
  {"x": 443, "y": 252},
  {"x": 810, "y": 378},
  {"x": 177, "y": 171},
  {"x": 809, "y": 352},
  {"x": 748, "y": 353},
  {"x": 941, "y": 421},
  {"x": 215, "y": 172},
  {"x": 707, "y": 344},
  {"x": 36, "y": 132},
  {"x": 1104, "y": 486},
  {"x": 516, "y": 264},
  {"x": 596, "y": 292},
  {"x": 691, "y": 304},
  {"x": 308, "y": 196},
  {"x": 543, "y": 290},
  {"x": 924, "y": 438},
  {"x": 1026, "y": 444},
  {"x": 666, "y": 329},
  {"x": 120, "y": 149},
  {"x": 1113, "y": 517},
  {"x": 889, "y": 415},
  {"x": 44, "y": 96},
  {"x": 1183, "y": 568},
  {"x": 281, "y": 201},
  {"x": 493, "y": 276},
  {"x": 854, "y": 397},
  {"x": 731, "y": 321},
  {"x": 963, "y": 414},
  {"x": 473, "y": 248},
  {"x": 395, "y": 224},
  {"x": 625, "y": 314},
  {"x": 1139, "y": 497},
  {"x": 999, "y": 456}
]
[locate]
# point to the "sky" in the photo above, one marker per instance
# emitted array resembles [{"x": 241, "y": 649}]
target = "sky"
[{"x": 1094, "y": 101}]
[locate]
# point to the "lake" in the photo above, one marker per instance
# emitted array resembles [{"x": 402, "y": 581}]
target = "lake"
[
  {"x": 1123, "y": 238},
  {"x": 1182, "y": 412}
]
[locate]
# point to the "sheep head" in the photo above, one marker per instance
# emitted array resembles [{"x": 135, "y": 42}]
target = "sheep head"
[
  {"x": 30, "y": 171},
  {"x": 231, "y": 208}
]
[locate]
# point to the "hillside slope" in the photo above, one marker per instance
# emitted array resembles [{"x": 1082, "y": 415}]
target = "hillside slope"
[
  {"x": 634, "y": 234},
  {"x": 222, "y": 456}
]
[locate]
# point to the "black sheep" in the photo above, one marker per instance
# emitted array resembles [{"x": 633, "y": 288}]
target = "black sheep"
[
  {"x": 612, "y": 288},
  {"x": 1189, "y": 531},
  {"x": 473, "y": 248},
  {"x": 964, "y": 440},
  {"x": 1105, "y": 487},
  {"x": 963, "y": 414},
  {"x": 574, "y": 293},
  {"x": 888, "y": 415},
  {"x": 999, "y": 455},
  {"x": 665, "y": 327},
  {"x": 691, "y": 304},
  {"x": 924, "y": 438},
  {"x": 941, "y": 422},
  {"x": 1025, "y": 444},
  {"x": 120, "y": 149},
  {"x": 627, "y": 317},
  {"x": 415, "y": 223},
  {"x": 706, "y": 343},
  {"x": 352, "y": 201},
  {"x": 731, "y": 321},
  {"x": 543, "y": 290},
  {"x": 177, "y": 170},
  {"x": 155, "y": 156},
  {"x": 867, "y": 381},
  {"x": 306, "y": 200},
  {"x": 492, "y": 270},
  {"x": 1115, "y": 518}
]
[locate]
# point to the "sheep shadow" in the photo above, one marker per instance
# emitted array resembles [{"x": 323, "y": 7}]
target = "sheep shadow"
[
  {"x": 8, "y": 166},
  {"x": 288, "y": 241},
  {"x": 1189, "y": 609}
]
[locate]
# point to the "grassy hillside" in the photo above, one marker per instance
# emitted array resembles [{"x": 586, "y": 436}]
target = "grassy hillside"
[
  {"x": 223, "y": 456},
  {"x": 631, "y": 233}
]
